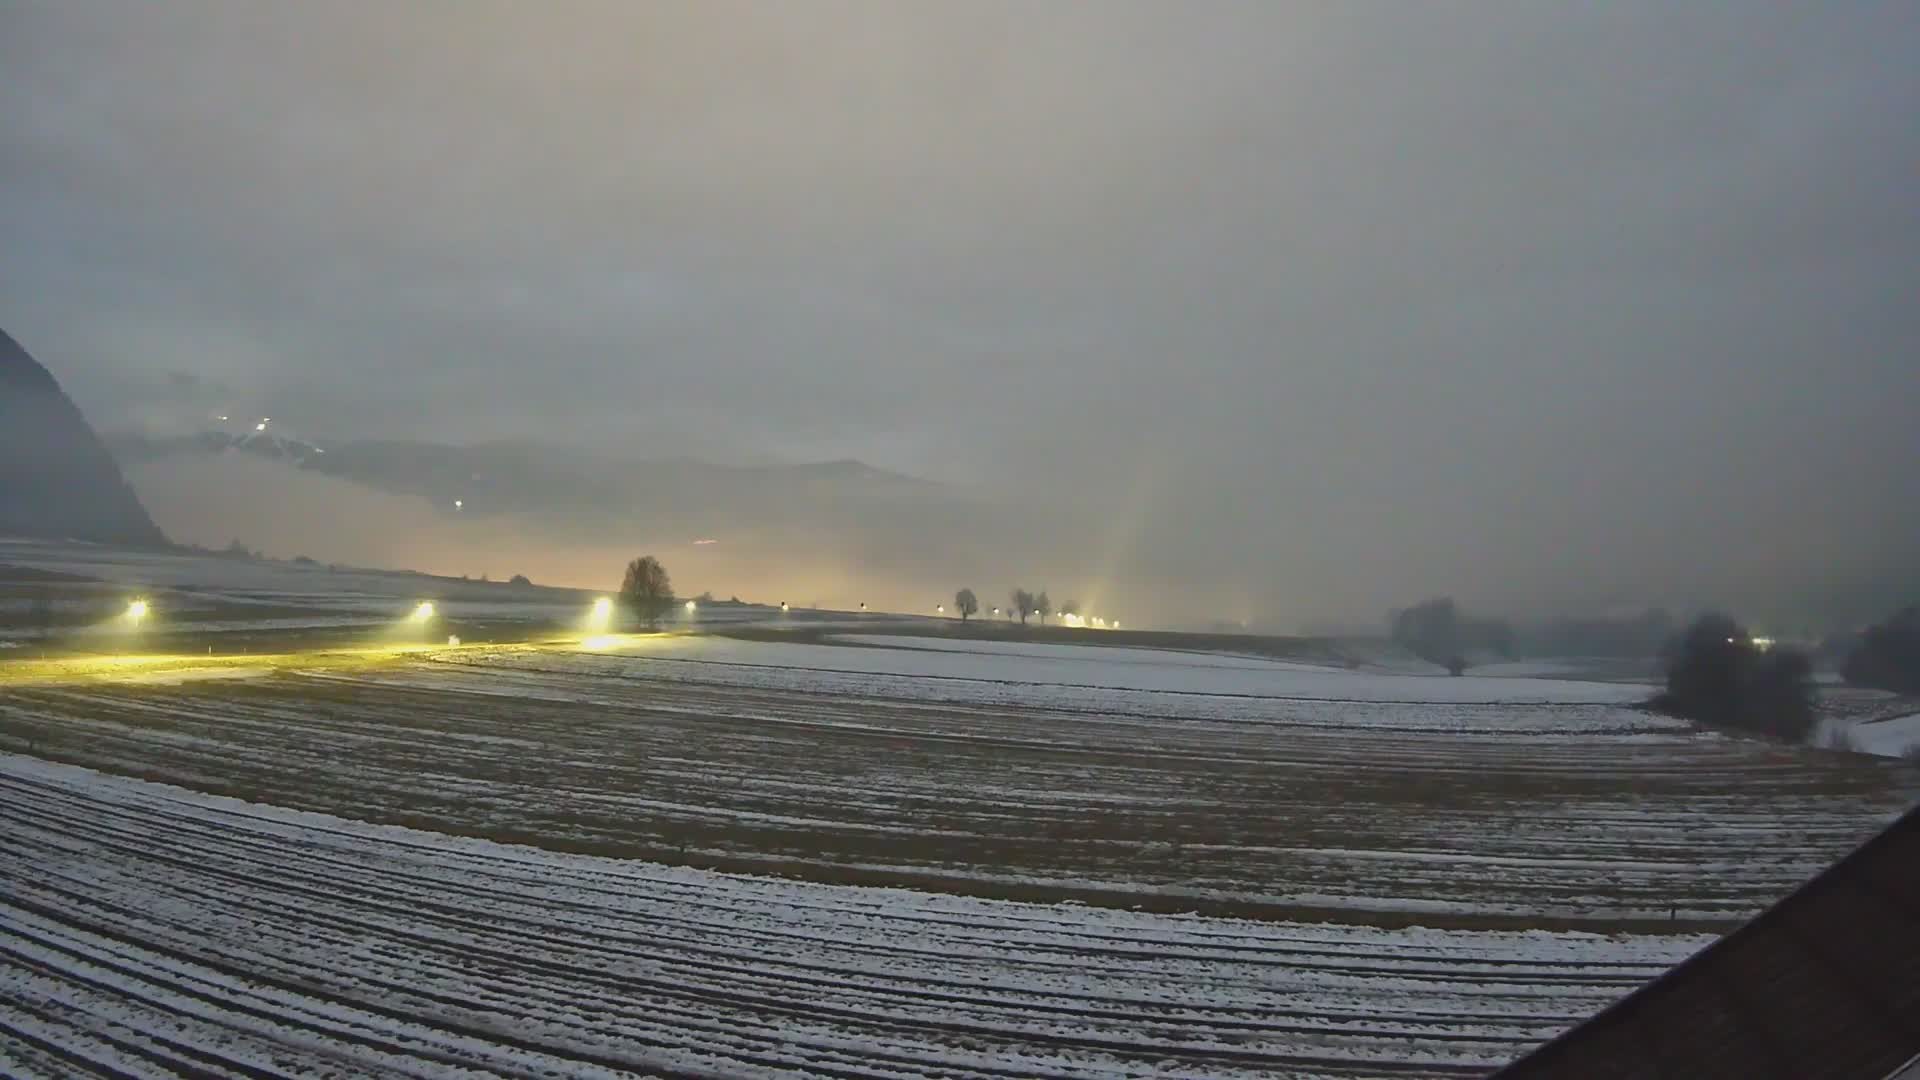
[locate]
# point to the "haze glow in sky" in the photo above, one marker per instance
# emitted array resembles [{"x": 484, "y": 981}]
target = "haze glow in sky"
[{"x": 1324, "y": 306}]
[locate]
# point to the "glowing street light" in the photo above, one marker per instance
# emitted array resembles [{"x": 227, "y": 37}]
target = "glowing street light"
[
  {"x": 261, "y": 426},
  {"x": 600, "y": 616},
  {"x": 940, "y": 608},
  {"x": 423, "y": 611},
  {"x": 137, "y": 610},
  {"x": 783, "y": 605},
  {"x": 690, "y": 606},
  {"x": 459, "y": 504}
]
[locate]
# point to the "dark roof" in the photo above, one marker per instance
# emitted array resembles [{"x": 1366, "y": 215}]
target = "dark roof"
[{"x": 1825, "y": 983}]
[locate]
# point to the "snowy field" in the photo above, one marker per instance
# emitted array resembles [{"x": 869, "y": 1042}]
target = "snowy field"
[
  {"x": 1454, "y": 813},
  {"x": 822, "y": 849},
  {"x": 1095, "y": 668},
  {"x": 153, "y": 930}
]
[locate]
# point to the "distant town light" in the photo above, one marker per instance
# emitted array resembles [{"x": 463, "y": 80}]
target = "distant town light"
[
  {"x": 459, "y": 504},
  {"x": 261, "y": 426},
  {"x": 941, "y": 608},
  {"x": 783, "y": 605}
]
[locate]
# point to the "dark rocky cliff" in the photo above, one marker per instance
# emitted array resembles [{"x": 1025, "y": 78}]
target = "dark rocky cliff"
[{"x": 56, "y": 479}]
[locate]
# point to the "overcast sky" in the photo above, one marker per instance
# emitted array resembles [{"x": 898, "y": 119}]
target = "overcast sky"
[{"x": 1327, "y": 303}]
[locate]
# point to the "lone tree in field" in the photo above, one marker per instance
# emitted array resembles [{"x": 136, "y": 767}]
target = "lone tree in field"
[
  {"x": 1022, "y": 603},
  {"x": 1042, "y": 606},
  {"x": 966, "y": 604},
  {"x": 646, "y": 590},
  {"x": 1717, "y": 675},
  {"x": 1430, "y": 630}
]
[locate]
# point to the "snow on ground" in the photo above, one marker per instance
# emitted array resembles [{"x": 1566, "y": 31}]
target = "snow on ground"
[
  {"x": 1103, "y": 668},
  {"x": 153, "y": 930},
  {"x": 1587, "y": 815},
  {"x": 1894, "y": 736}
]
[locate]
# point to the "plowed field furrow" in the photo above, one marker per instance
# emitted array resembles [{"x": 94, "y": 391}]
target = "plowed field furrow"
[
  {"x": 137, "y": 917},
  {"x": 1275, "y": 808}
]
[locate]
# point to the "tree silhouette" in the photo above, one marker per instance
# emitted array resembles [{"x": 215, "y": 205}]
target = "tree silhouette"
[
  {"x": 1022, "y": 603},
  {"x": 646, "y": 590},
  {"x": 1717, "y": 675},
  {"x": 1888, "y": 655},
  {"x": 965, "y": 603}
]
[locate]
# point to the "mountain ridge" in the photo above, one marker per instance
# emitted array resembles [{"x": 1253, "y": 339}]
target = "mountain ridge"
[
  {"x": 57, "y": 478},
  {"x": 523, "y": 476}
]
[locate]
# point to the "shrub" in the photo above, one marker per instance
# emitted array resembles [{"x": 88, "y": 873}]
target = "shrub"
[
  {"x": 1718, "y": 676},
  {"x": 1888, "y": 655}
]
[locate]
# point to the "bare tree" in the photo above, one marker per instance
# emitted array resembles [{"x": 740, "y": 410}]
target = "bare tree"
[
  {"x": 965, "y": 603},
  {"x": 1042, "y": 606},
  {"x": 1022, "y": 603},
  {"x": 646, "y": 590}
]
